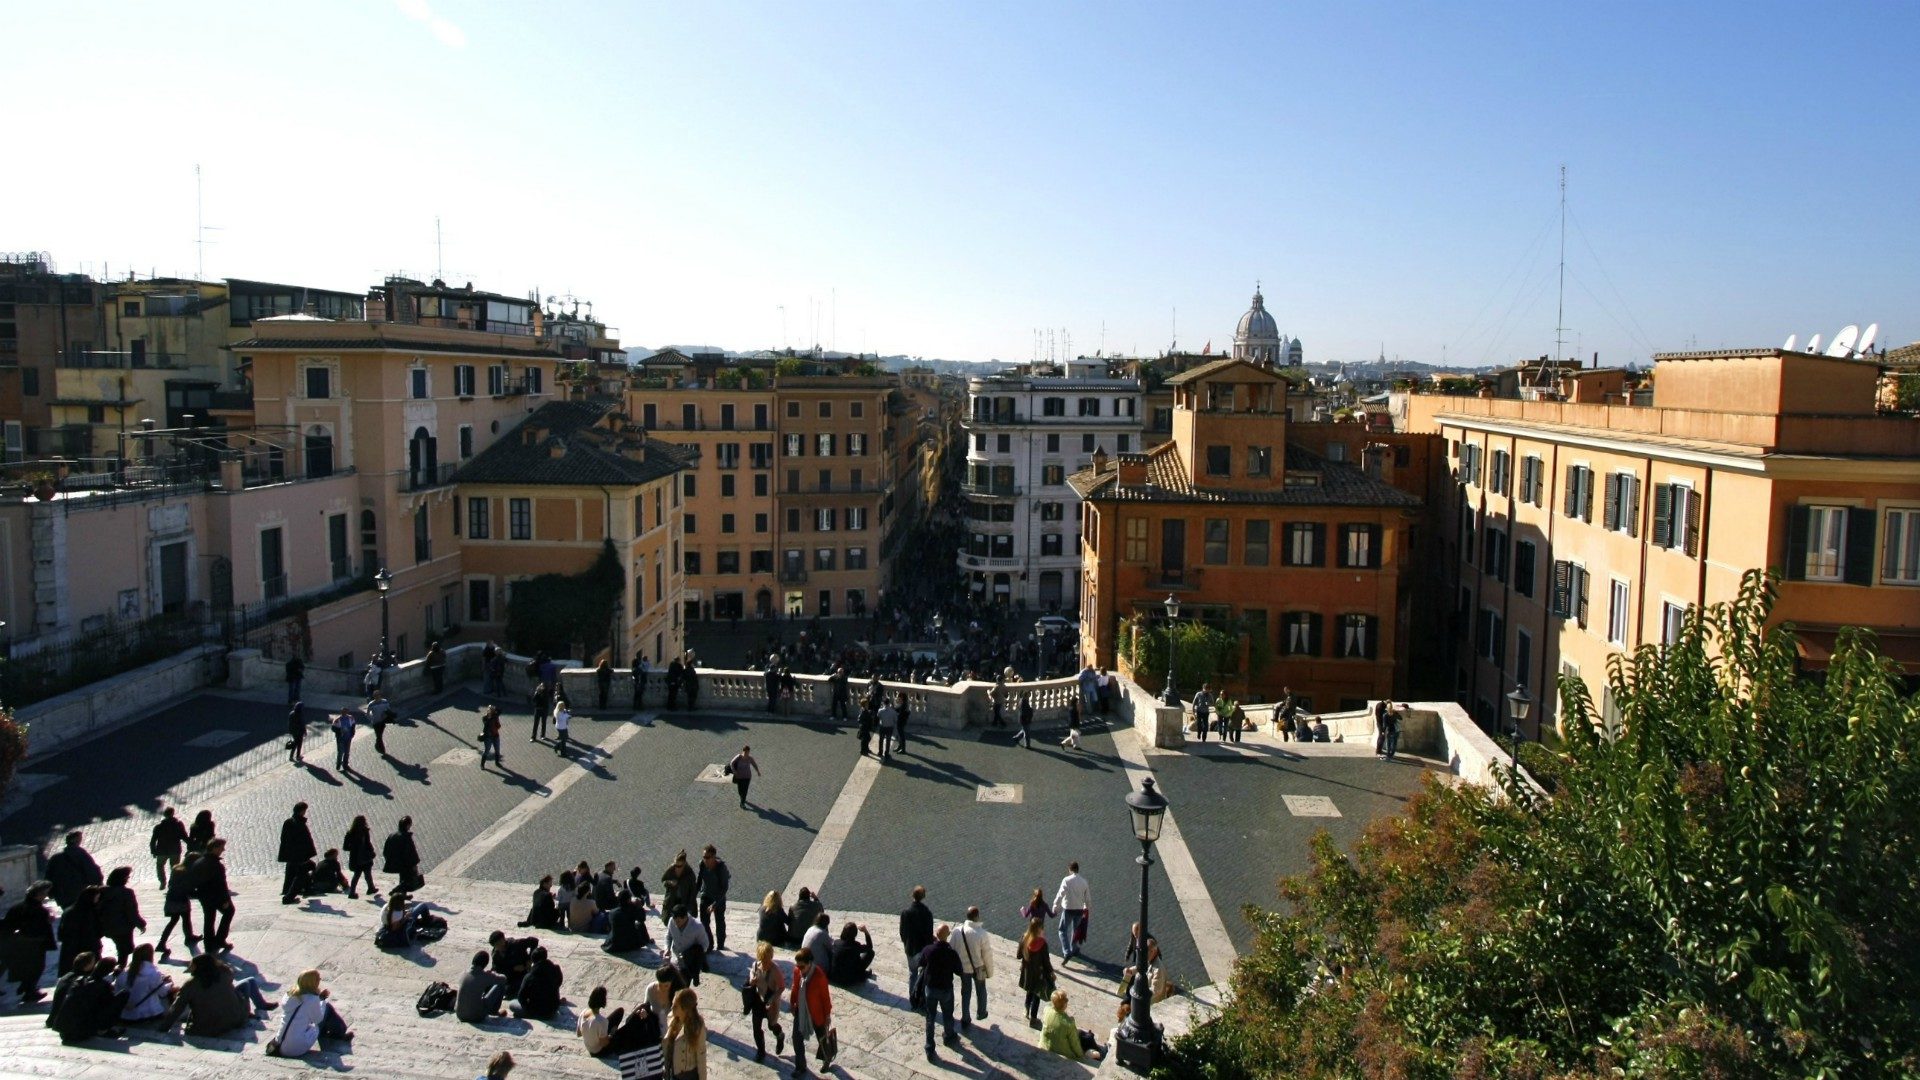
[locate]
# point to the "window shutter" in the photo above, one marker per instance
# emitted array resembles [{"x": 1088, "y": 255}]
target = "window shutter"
[
  {"x": 1497, "y": 643},
  {"x": 1586, "y": 494},
  {"x": 1319, "y": 545},
  {"x": 1614, "y": 495},
  {"x": 1373, "y": 547},
  {"x": 1373, "y": 637},
  {"x": 1630, "y": 504},
  {"x": 1572, "y": 492},
  {"x": 1799, "y": 519},
  {"x": 1584, "y": 581},
  {"x": 1562, "y": 588},
  {"x": 1313, "y": 634},
  {"x": 1663, "y": 515},
  {"x": 1692, "y": 523},
  {"x": 1859, "y": 568}
]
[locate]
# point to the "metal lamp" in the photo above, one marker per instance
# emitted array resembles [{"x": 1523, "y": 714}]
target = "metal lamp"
[
  {"x": 1170, "y": 696},
  {"x": 1138, "y": 1043}
]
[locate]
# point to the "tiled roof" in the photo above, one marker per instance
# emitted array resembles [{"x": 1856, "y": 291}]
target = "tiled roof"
[
  {"x": 379, "y": 345},
  {"x": 591, "y": 452},
  {"x": 1338, "y": 484},
  {"x": 1218, "y": 366}
]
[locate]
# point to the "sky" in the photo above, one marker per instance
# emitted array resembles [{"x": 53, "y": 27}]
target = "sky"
[{"x": 998, "y": 180}]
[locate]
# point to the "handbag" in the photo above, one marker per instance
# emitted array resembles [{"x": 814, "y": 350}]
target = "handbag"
[
  {"x": 829, "y": 1046},
  {"x": 749, "y": 997}
]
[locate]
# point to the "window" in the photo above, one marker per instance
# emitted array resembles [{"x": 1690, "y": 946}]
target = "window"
[
  {"x": 726, "y": 523},
  {"x": 689, "y": 523},
  {"x": 1829, "y": 543},
  {"x": 1214, "y": 542},
  {"x": 1569, "y": 599},
  {"x": 1053, "y": 444},
  {"x": 727, "y": 455},
  {"x": 1523, "y": 557},
  {"x": 1089, "y": 406},
  {"x": 857, "y": 444},
  {"x": 1522, "y": 657},
  {"x": 1900, "y": 555},
  {"x": 1676, "y": 518},
  {"x": 1087, "y": 443},
  {"x": 1306, "y": 544},
  {"x": 497, "y": 382},
  {"x": 727, "y": 562},
  {"x": 1532, "y": 468},
  {"x": 1579, "y": 493},
  {"x": 793, "y": 519},
  {"x": 1123, "y": 443},
  {"x": 1300, "y": 633},
  {"x": 796, "y": 446},
  {"x": 1050, "y": 544},
  {"x": 519, "y": 519},
  {"x": 273, "y": 567},
  {"x": 319, "y": 382},
  {"x": 856, "y": 409},
  {"x": 1258, "y": 539},
  {"x": 823, "y": 444},
  {"x": 479, "y": 601},
  {"x": 726, "y": 485},
  {"x": 534, "y": 386},
  {"x": 1219, "y": 461},
  {"x": 1617, "y": 612},
  {"x": 478, "y": 525},
  {"x": 689, "y": 485},
  {"x": 1470, "y": 464},
  {"x": 1053, "y": 406},
  {"x": 1336, "y": 451},
  {"x": 466, "y": 440},
  {"x": 1053, "y": 511},
  {"x": 1053, "y": 475},
  {"x": 30, "y": 381},
  {"x": 422, "y": 535},
  {"x": 417, "y": 381},
  {"x": 1502, "y": 468},
  {"x": 980, "y": 443},
  {"x": 1673, "y": 618},
  {"x": 1622, "y": 507},
  {"x": 1493, "y": 554},
  {"x": 1136, "y": 539},
  {"x": 856, "y": 558},
  {"x": 1360, "y": 546},
  {"x": 760, "y": 484},
  {"x": 793, "y": 410},
  {"x": 1358, "y": 636},
  {"x": 856, "y": 519},
  {"x": 691, "y": 562},
  {"x": 130, "y": 309},
  {"x": 1259, "y": 460},
  {"x": 463, "y": 380},
  {"x": 1490, "y": 641},
  {"x": 826, "y": 410},
  {"x": 1162, "y": 418},
  {"x": 823, "y": 558},
  {"x": 761, "y": 561},
  {"x": 823, "y": 519}
]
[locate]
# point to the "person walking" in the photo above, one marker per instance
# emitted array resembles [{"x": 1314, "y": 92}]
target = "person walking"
[
  {"x": 296, "y": 854},
  {"x": 900, "y": 711},
  {"x": 639, "y": 680},
  {"x": 490, "y": 736},
  {"x": 1388, "y": 718},
  {"x": 178, "y": 905},
  {"x": 296, "y": 671},
  {"x": 916, "y": 933},
  {"x": 603, "y": 680},
  {"x": 209, "y": 873},
  {"x": 812, "y": 1005},
  {"x": 742, "y": 769},
  {"x": 970, "y": 941},
  {"x": 562, "y": 723},
  {"x": 201, "y": 832},
  {"x": 542, "y": 706},
  {"x": 72, "y": 869},
  {"x": 679, "y": 889},
  {"x": 712, "y": 880},
  {"x": 997, "y": 697},
  {"x": 343, "y": 725},
  {"x": 1071, "y": 903},
  {"x": 119, "y": 911},
  {"x": 380, "y": 712},
  {"x": 765, "y": 986},
  {"x": 1235, "y": 721},
  {"x": 842, "y": 693},
  {"x": 437, "y": 666},
  {"x": 1072, "y": 741},
  {"x": 673, "y": 684},
  {"x": 27, "y": 933},
  {"x": 403, "y": 857},
  {"x": 1202, "y": 703},
  {"x": 1283, "y": 716},
  {"x": 1036, "y": 969},
  {"x": 1026, "y": 721},
  {"x": 297, "y": 732},
  {"x": 359, "y": 848},
  {"x": 936, "y": 967},
  {"x": 166, "y": 842}
]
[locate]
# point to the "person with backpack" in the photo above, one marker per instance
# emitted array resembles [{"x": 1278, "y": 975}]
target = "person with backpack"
[
  {"x": 85, "y": 1004},
  {"x": 402, "y": 857},
  {"x": 741, "y": 769},
  {"x": 713, "y": 878}
]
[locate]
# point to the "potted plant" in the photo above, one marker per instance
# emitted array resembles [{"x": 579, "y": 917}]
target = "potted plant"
[
  {"x": 13, "y": 746},
  {"x": 42, "y": 484}
]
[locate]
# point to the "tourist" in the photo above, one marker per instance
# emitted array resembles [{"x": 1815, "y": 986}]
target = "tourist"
[
  {"x": 818, "y": 940},
  {"x": 869, "y": 720},
  {"x": 679, "y": 888},
  {"x": 1071, "y": 904},
  {"x": 1236, "y": 721},
  {"x": 901, "y": 710},
  {"x": 741, "y": 769},
  {"x": 1109, "y": 689},
  {"x": 79, "y": 931},
  {"x": 482, "y": 993},
  {"x": 770, "y": 680},
  {"x": 166, "y": 843},
  {"x": 178, "y": 905},
  {"x": 398, "y": 921},
  {"x": 997, "y": 697},
  {"x": 1202, "y": 703},
  {"x": 583, "y": 915},
  {"x": 713, "y": 879},
  {"x": 812, "y": 1006},
  {"x": 1036, "y": 907},
  {"x": 540, "y": 990},
  {"x": 606, "y": 887},
  {"x": 202, "y": 832},
  {"x": 297, "y": 733},
  {"x": 147, "y": 990},
  {"x": 306, "y": 1017},
  {"x": 806, "y": 909},
  {"x": 402, "y": 856},
  {"x": 72, "y": 869},
  {"x": 916, "y": 931},
  {"x": 381, "y": 712},
  {"x": 1089, "y": 682},
  {"x": 490, "y": 736},
  {"x": 686, "y": 1052},
  {"x": 1158, "y": 983},
  {"x": 673, "y": 685},
  {"x": 763, "y": 989},
  {"x": 209, "y": 875},
  {"x": 359, "y": 848},
  {"x": 1320, "y": 733},
  {"x": 499, "y": 1066},
  {"x": 593, "y": 1028},
  {"x": 636, "y": 887},
  {"x": 1062, "y": 1036},
  {"x": 851, "y": 957},
  {"x": 562, "y": 722},
  {"x": 542, "y": 709},
  {"x": 889, "y": 718},
  {"x": 1072, "y": 740},
  {"x": 85, "y": 1003},
  {"x": 1283, "y": 715},
  {"x": 1390, "y": 718},
  {"x": 296, "y": 670},
  {"x": 936, "y": 967},
  {"x": 1036, "y": 969},
  {"x": 26, "y": 933},
  {"x": 773, "y": 921},
  {"x": 545, "y": 912},
  {"x": 327, "y": 876},
  {"x": 603, "y": 680},
  {"x": 1026, "y": 721},
  {"x": 976, "y": 967},
  {"x": 118, "y": 910},
  {"x": 343, "y": 725},
  {"x": 212, "y": 1000},
  {"x": 640, "y": 673},
  {"x": 842, "y": 694},
  {"x": 296, "y": 854},
  {"x": 626, "y": 927},
  {"x": 510, "y": 957},
  {"x": 688, "y": 943}
]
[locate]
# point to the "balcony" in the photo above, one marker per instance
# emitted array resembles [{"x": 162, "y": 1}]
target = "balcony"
[
  {"x": 230, "y": 401},
  {"x": 865, "y": 487},
  {"x": 274, "y": 588},
  {"x": 342, "y": 569},
  {"x": 992, "y": 491},
  {"x": 793, "y": 575},
  {"x": 428, "y": 477},
  {"x": 986, "y": 562},
  {"x": 1174, "y": 577},
  {"x": 91, "y": 360}
]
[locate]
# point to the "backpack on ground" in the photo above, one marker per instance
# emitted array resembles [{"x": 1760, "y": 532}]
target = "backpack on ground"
[{"x": 437, "y": 998}]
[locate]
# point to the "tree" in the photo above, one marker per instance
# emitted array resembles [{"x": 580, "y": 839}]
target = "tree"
[
  {"x": 552, "y": 613},
  {"x": 1202, "y": 653},
  {"x": 1722, "y": 886}
]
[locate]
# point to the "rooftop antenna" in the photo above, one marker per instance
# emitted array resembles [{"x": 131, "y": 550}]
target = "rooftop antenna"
[
  {"x": 1175, "y": 347},
  {"x": 1842, "y": 344},
  {"x": 1792, "y": 340},
  {"x": 1560, "y": 315},
  {"x": 439, "y": 251},
  {"x": 1866, "y": 339},
  {"x": 201, "y": 228}
]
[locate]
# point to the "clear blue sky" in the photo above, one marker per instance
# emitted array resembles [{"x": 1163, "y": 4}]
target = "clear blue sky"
[{"x": 959, "y": 176}]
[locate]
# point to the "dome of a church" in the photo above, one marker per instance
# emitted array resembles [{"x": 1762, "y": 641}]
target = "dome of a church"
[{"x": 1257, "y": 324}]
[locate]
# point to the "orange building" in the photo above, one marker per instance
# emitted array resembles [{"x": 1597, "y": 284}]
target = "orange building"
[
  {"x": 1306, "y": 557},
  {"x": 1576, "y": 530}
]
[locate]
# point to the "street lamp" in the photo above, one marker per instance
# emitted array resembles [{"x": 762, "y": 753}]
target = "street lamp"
[
  {"x": 383, "y": 581},
  {"x": 1171, "y": 696},
  {"x": 1138, "y": 1042},
  {"x": 1041, "y": 632},
  {"x": 1518, "y": 705}
]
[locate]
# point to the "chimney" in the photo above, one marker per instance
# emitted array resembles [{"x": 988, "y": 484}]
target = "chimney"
[
  {"x": 1133, "y": 469},
  {"x": 1377, "y": 462},
  {"x": 556, "y": 448},
  {"x": 1100, "y": 459}
]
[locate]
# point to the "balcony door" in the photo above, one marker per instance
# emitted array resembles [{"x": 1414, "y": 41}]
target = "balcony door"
[
  {"x": 423, "y": 457},
  {"x": 1173, "y": 549}
]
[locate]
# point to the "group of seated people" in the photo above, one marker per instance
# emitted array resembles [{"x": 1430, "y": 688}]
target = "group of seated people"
[
  {"x": 513, "y": 969},
  {"x": 611, "y": 1034},
  {"x": 587, "y": 903},
  {"x": 1061, "y": 1034},
  {"x": 847, "y": 959}
]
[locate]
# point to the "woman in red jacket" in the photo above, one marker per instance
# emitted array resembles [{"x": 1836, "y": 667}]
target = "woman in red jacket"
[{"x": 816, "y": 1017}]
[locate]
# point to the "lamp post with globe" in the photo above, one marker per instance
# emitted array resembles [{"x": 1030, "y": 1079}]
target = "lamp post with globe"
[
  {"x": 1170, "y": 695},
  {"x": 383, "y": 581},
  {"x": 1138, "y": 1043},
  {"x": 1518, "y": 706}
]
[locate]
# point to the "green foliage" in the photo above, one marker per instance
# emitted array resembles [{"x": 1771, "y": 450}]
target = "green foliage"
[
  {"x": 1202, "y": 653},
  {"x": 740, "y": 379},
  {"x": 867, "y": 370},
  {"x": 1906, "y": 393},
  {"x": 13, "y": 746},
  {"x": 790, "y": 366},
  {"x": 1459, "y": 384},
  {"x": 559, "y": 613},
  {"x": 1724, "y": 886}
]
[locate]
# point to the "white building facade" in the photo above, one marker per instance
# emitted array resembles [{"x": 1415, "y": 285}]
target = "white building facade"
[{"x": 1025, "y": 435}]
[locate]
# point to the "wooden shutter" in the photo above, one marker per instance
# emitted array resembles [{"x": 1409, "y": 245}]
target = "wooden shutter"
[
  {"x": 1373, "y": 547},
  {"x": 1523, "y": 569},
  {"x": 1586, "y": 494},
  {"x": 1632, "y": 505},
  {"x": 1663, "y": 515},
  {"x": 1313, "y": 634},
  {"x": 1572, "y": 494},
  {"x": 1584, "y": 580},
  {"x": 1562, "y": 605},
  {"x": 1614, "y": 495},
  {"x": 1319, "y": 544},
  {"x": 1692, "y": 522},
  {"x": 1799, "y": 520},
  {"x": 1497, "y": 643},
  {"x": 1859, "y": 567},
  {"x": 1373, "y": 637}
]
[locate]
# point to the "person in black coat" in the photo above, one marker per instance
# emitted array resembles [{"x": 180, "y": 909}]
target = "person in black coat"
[
  {"x": 359, "y": 848},
  {"x": 402, "y": 857},
  {"x": 627, "y": 929},
  {"x": 80, "y": 929},
  {"x": 118, "y": 910},
  {"x": 545, "y": 913},
  {"x": 70, "y": 870},
  {"x": 166, "y": 843},
  {"x": 297, "y": 732},
  {"x": 916, "y": 930},
  {"x": 673, "y": 684},
  {"x": 540, "y": 990},
  {"x": 772, "y": 681},
  {"x": 202, "y": 831},
  {"x": 26, "y": 933},
  {"x": 842, "y": 695},
  {"x": 511, "y": 958},
  {"x": 296, "y": 851},
  {"x": 85, "y": 1003},
  {"x": 215, "y": 895}
]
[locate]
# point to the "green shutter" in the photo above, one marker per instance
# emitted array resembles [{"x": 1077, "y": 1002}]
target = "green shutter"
[
  {"x": 1663, "y": 515},
  {"x": 1799, "y": 520},
  {"x": 1859, "y": 568}
]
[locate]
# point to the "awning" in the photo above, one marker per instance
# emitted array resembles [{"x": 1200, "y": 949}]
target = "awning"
[{"x": 1816, "y": 648}]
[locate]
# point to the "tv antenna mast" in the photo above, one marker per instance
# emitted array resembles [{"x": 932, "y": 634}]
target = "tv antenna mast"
[
  {"x": 200, "y": 228},
  {"x": 1560, "y": 313}
]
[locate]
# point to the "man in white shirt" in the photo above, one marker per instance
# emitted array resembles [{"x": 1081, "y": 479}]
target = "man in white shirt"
[
  {"x": 1071, "y": 903},
  {"x": 688, "y": 944},
  {"x": 976, "y": 966}
]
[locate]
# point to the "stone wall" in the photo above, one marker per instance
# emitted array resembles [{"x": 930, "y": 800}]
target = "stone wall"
[{"x": 59, "y": 722}]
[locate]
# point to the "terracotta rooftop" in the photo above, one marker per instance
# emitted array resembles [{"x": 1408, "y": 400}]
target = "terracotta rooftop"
[
  {"x": 1333, "y": 484},
  {"x": 389, "y": 345},
  {"x": 589, "y": 452}
]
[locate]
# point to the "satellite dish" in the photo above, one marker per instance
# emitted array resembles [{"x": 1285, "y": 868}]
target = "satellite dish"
[
  {"x": 1792, "y": 340},
  {"x": 1866, "y": 338},
  {"x": 1813, "y": 344},
  {"x": 1843, "y": 341}
]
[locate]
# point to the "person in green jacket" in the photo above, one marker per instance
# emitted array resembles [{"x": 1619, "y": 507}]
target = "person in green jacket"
[{"x": 1062, "y": 1036}]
